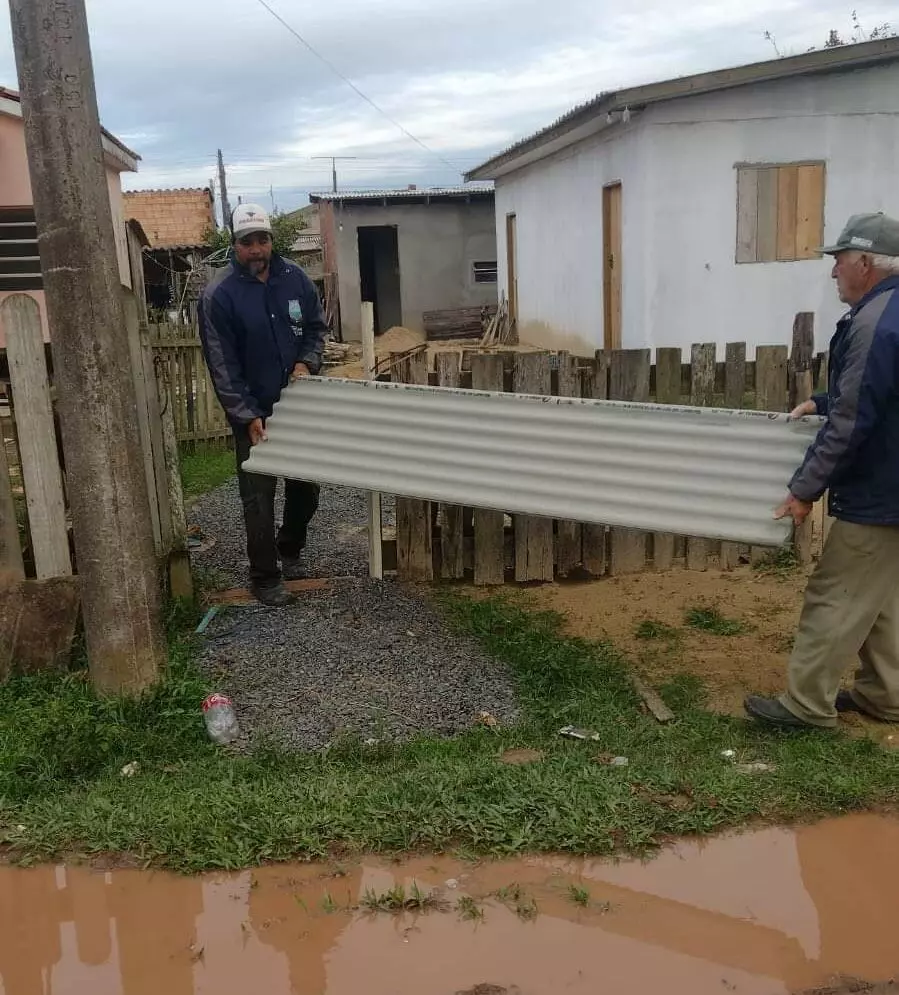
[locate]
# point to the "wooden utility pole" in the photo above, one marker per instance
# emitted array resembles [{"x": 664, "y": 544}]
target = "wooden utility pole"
[
  {"x": 223, "y": 192},
  {"x": 119, "y": 575}
]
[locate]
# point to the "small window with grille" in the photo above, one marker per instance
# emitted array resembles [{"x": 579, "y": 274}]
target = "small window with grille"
[
  {"x": 20, "y": 264},
  {"x": 484, "y": 272}
]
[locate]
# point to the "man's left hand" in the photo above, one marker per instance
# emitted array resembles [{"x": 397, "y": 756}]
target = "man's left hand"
[
  {"x": 300, "y": 370},
  {"x": 795, "y": 509}
]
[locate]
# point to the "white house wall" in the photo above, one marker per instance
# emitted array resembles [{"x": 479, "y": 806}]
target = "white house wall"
[{"x": 676, "y": 161}]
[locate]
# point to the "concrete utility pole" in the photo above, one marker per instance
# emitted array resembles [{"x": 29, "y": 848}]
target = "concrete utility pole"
[
  {"x": 333, "y": 160},
  {"x": 223, "y": 191},
  {"x": 119, "y": 575}
]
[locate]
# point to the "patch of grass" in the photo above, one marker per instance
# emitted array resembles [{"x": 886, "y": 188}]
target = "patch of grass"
[
  {"x": 469, "y": 910},
  {"x": 580, "y": 896},
  {"x": 707, "y": 618},
  {"x": 397, "y": 900},
  {"x": 514, "y": 898},
  {"x": 193, "y": 806},
  {"x": 205, "y": 468},
  {"x": 780, "y": 562},
  {"x": 651, "y": 628}
]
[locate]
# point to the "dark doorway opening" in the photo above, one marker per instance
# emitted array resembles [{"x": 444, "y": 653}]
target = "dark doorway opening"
[{"x": 379, "y": 274}]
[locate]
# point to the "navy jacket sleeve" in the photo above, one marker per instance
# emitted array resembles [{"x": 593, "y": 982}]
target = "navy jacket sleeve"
[
  {"x": 311, "y": 344},
  {"x": 223, "y": 359},
  {"x": 865, "y": 386}
]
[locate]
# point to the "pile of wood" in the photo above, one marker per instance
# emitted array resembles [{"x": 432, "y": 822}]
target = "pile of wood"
[
  {"x": 457, "y": 323},
  {"x": 337, "y": 352},
  {"x": 500, "y": 329}
]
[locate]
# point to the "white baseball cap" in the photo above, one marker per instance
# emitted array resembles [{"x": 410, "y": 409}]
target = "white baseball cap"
[{"x": 250, "y": 218}]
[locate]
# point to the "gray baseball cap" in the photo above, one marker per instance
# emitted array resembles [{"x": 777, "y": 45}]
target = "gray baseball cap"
[{"x": 874, "y": 233}]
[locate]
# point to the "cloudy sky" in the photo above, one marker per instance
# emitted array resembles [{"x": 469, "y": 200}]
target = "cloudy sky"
[{"x": 176, "y": 79}]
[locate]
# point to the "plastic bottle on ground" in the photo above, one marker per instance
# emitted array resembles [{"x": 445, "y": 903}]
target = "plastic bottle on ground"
[{"x": 221, "y": 722}]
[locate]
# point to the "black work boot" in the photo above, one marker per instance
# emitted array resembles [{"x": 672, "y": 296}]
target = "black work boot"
[
  {"x": 773, "y": 713},
  {"x": 293, "y": 567},
  {"x": 273, "y": 596}
]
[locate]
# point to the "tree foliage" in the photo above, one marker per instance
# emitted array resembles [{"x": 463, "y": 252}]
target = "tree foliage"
[
  {"x": 285, "y": 229},
  {"x": 835, "y": 39}
]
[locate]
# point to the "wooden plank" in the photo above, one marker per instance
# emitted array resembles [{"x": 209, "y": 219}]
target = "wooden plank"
[
  {"x": 451, "y": 516},
  {"x": 612, "y": 262},
  {"x": 767, "y": 224},
  {"x": 771, "y": 377},
  {"x": 802, "y": 354},
  {"x": 668, "y": 391},
  {"x": 594, "y": 546},
  {"x": 132, "y": 330},
  {"x": 180, "y": 576},
  {"x": 810, "y": 211},
  {"x": 568, "y": 534},
  {"x": 628, "y": 381},
  {"x": 771, "y": 364},
  {"x": 660, "y": 711},
  {"x": 414, "y": 535},
  {"x": 787, "y": 186},
  {"x": 702, "y": 390},
  {"x": 734, "y": 392},
  {"x": 11, "y": 565},
  {"x": 747, "y": 214},
  {"x": 532, "y": 374},
  {"x": 20, "y": 317},
  {"x": 489, "y": 561},
  {"x": 373, "y": 498}
]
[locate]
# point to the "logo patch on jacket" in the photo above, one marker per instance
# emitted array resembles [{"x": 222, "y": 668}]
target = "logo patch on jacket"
[{"x": 295, "y": 312}]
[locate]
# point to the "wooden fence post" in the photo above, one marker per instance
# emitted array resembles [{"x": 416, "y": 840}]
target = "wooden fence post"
[
  {"x": 373, "y": 498},
  {"x": 11, "y": 564},
  {"x": 702, "y": 390},
  {"x": 668, "y": 391},
  {"x": 568, "y": 534},
  {"x": 533, "y": 535},
  {"x": 20, "y": 316},
  {"x": 489, "y": 526},
  {"x": 628, "y": 381},
  {"x": 770, "y": 395},
  {"x": 801, "y": 387},
  {"x": 593, "y": 542},
  {"x": 414, "y": 533},
  {"x": 734, "y": 392},
  {"x": 451, "y": 516}
]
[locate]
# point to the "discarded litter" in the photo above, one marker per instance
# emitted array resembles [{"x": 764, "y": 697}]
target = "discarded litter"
[
  {"x": 611, "y": 761},
  {"x": 452, "y": 884},
  {"x": 619, "y": 762},
  {"x": 571, "y": 732},
  {"x": 221, "y": 722},
  {"x": 756, "y": 768},
  {"x": 486, "y": 719},
  {"x": 129, "y": 770},
  {"x": 207, "y": 618},
  {"x": 371, "y": 742},
  {"x": 728, "y": 754}
]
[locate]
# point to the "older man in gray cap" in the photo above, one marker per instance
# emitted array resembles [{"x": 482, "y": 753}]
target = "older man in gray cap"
[{"x": 851, "y": 605}]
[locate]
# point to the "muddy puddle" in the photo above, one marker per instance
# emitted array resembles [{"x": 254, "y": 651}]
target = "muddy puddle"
[{"x": 768, "y": 912}]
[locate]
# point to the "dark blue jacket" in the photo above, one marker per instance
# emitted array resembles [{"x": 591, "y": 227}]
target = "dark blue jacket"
[
  {"x": 855, "y": 456},
  {"x": 254, "y": 333}
]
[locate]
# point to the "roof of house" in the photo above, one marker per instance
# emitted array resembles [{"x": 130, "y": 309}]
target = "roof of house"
[
  {"x": 568, "y": 129},
  {"x": 424, "y": 195},
  {"x": 172, "y": 219},
  {"x": 115, "y": 149}
]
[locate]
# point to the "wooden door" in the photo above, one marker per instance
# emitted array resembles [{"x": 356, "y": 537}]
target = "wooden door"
[
  {"x": 512, "y": 266},
  {"x": 611, "y": 282}
]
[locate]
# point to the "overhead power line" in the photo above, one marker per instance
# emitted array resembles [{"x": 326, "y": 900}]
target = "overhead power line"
[{"x": 353, "y": 86}]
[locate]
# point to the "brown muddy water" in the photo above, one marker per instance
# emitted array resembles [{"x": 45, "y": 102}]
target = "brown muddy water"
[{"x": 763, "y": 913}]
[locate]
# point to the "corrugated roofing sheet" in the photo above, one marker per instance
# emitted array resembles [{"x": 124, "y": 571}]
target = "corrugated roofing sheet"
[
  {"x": 691, "y": 471},
  {"x": 404, "y": 194}
]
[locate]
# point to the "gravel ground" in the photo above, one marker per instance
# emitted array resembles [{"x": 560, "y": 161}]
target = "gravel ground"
[
  {"x": 338, "y": 542},
  {"x": 362, "y": 657}
]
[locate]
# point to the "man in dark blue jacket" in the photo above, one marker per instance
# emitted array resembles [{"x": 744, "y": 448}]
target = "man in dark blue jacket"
[
  {"x": 851, "y": 605},
  {"x": 261, "y": 324}
]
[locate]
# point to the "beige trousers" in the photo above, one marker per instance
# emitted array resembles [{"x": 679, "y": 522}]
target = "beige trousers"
[{"x": 851, "y": 610}]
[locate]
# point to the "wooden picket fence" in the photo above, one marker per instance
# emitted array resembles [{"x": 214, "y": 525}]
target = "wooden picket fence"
[
  {"x": 441, "y": 541},
  {"x": 181, "y": 368}
]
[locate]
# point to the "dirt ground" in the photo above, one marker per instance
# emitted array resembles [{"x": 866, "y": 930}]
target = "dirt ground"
[{"x": 730, "y": 666}]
